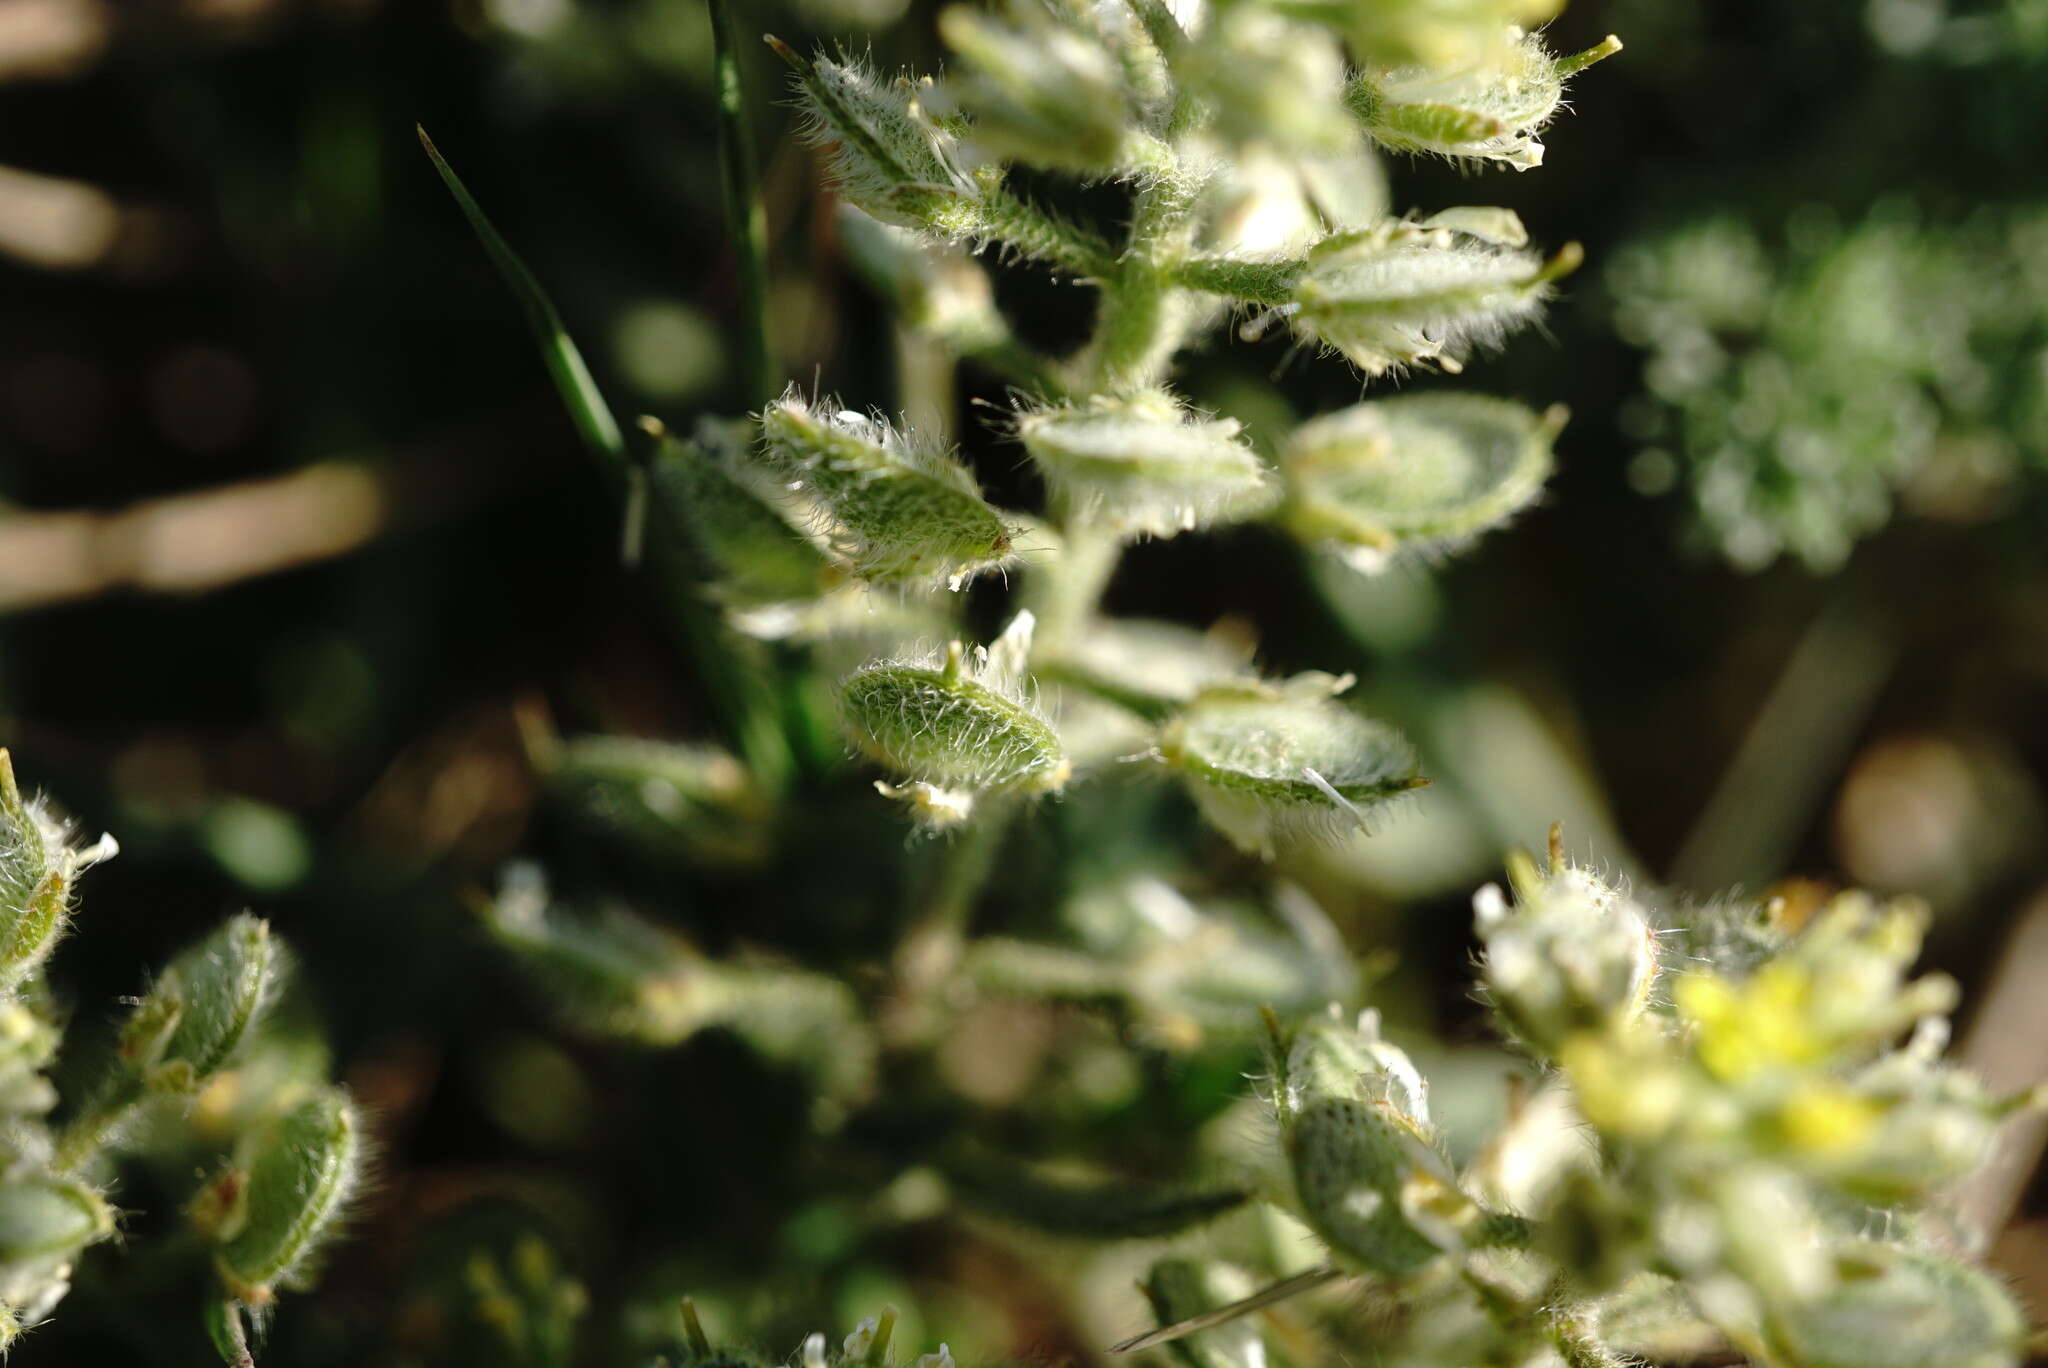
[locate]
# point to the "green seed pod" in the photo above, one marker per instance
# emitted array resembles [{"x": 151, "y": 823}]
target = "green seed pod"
[
  {"x": 301, "y": 1172},
  {"x": 38, "y": 868},
  {"x": 1040, "y": 91},
  {"x": 1893, "y": 1307},
  {"x": 952, "y": 725},
  {"x": 1271, "y": 83},
  {"x": 1143, "y": 464},
  {"x": 1181, "y": 1289},
  {"x": 1368, "y": 1178},
  {"x": 1404, "y": 293},
  {"x": 895, "y": 505},
  {"x": 205, "y": 1005},
  {"x": 735, "y": 522},
  {"x": 664, "y": 801},
  {"x": 888, "y": 155},
  {"x": 1285, "y": 761},
  {"x": 1414, "y": 475},
  {"x": 1487, "y": 112},
  {"x": 1572, "y": 955},
  {"x": 49, "y": 1219},
  {"x": 1441, "y": 34}
]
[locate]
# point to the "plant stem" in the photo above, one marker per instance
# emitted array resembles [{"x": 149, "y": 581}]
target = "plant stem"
[{"x": 744, "y": 211}]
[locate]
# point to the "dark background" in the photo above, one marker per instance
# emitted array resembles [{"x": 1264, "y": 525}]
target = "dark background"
[{"x": 288, "y": 288}]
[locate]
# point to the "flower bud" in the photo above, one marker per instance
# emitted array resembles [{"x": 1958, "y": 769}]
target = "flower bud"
[
  {"x": 1488, "y": 111},
  {"x": 888, "y": 155},
  {"x": 301, "y": 1172},
  {"x": 1285, "y": 760},
  {"x": 1414, "y": 475},
  {"x": 1895, "y": 1307},
  {"x": 1572, "y": 955},
  {"x": 1405, "y": 293},
  {"x": 952, "y": 724},
  {"x": 897, "y": 506},
  {"x": 1040, "y": 91},
  {"x": 38, "y": 868},
  {"x": 1142, "y": 464},
  {"x": 735, "y": 521}
]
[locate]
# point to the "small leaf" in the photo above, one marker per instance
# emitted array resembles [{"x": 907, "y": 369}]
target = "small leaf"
[
  {"x": 1414, "y": 475},
  {"x": 1143, "y": 464},
  {"x": 1282, "y": 761},
  {"x": 302, "y": 1172},
  {"x": 897, "y": 505},
  {"x": 1891, "y": 1307}
]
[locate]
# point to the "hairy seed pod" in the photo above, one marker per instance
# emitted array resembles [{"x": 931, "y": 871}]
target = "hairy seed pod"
[
  {"x": 1402, "y": 293},
  {"x": 1038, "y": 90},
  {"x": 1414, "y": 475},
  {"x": 1143, "y": 464},
  {"x": 1368, "y": 1178},
  {"x": 206, "y": 1004},
  {"x": 735, "y": 522},
  {"x": 1440, "y": 34},
  {"x": 950, "y": 726},
  {"x": 889, "y": 156},
  {"x": 301, "y": 1174},
  {"x": 38, "y": 867},
  {"x": 1285, "y": 761},
  {"x": 49, "y": 1219},
  {"x": 1486, "y": 112},
  {"x": 1894, "y": 1307},
  {"x": 896, "y": 505}
]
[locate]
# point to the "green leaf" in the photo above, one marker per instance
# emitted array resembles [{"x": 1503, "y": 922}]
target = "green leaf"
[{"x": 592, "y": 416}]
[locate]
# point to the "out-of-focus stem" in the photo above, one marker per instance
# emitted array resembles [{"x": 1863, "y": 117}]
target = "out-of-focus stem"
[{"x": 744, "y": 211}]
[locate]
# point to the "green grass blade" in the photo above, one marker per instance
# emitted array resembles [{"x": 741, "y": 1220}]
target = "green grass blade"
[
  {"x": 744, "y": 211},
  {"x": 592, "y": 416}
]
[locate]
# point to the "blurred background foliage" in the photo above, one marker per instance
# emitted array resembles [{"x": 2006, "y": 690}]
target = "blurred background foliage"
[{"x": 300, "y": 565}]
